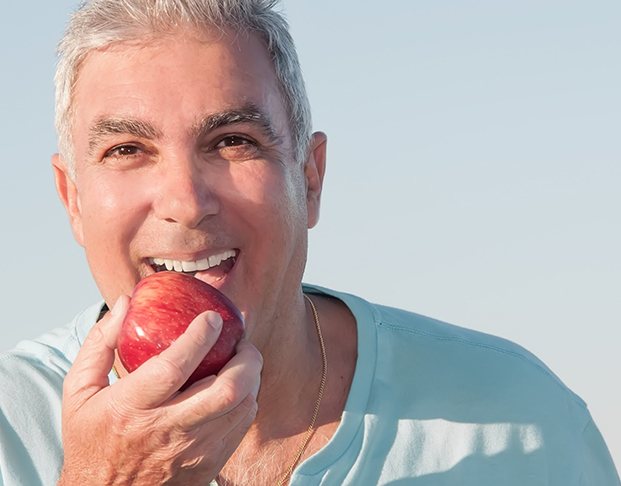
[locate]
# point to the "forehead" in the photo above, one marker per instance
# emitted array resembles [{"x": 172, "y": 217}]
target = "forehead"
[{"x": 176, "y": 79}]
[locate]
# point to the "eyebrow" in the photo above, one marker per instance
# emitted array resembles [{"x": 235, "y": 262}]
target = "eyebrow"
[
  {"x": 104, "y": 127},
  {"x": 249, "y": 113}
]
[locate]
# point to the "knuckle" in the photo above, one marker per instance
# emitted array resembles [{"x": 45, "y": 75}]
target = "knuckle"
[
  {"x": 228, "y": 394},
  {"x": 168, "y": 372},
  {"x": 129, "y": 421},
  {"x": 251, "y": 353}
]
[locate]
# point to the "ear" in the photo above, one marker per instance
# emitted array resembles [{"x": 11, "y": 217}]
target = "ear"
[
  {"x": 314, "y": 171},
  {"x": 68, "y": 193}
]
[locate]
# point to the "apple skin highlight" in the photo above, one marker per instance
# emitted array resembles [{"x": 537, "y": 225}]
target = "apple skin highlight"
[{"x": 161, "y": 308}]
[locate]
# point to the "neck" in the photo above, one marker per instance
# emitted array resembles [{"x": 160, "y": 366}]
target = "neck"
[{"x": 292, "y": 370}]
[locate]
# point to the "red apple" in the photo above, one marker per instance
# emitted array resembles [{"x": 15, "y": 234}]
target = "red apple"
[{"x": 161, "y": 308}]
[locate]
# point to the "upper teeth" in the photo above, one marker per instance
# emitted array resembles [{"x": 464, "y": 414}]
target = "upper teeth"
[{"x": 193, "y": 266}]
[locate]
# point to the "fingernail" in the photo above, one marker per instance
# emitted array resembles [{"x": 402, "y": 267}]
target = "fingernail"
[{"x": 214, "y": 320}]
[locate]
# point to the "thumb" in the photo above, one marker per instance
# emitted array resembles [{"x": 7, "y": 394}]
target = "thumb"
[{"x": 89, "y": 372}]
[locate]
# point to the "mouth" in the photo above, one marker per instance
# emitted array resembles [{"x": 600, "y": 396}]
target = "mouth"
[{"x": 209, "y": 269}]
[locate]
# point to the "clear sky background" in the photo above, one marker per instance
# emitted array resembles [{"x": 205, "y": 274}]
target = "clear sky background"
[{"x": 474, "y": 172}]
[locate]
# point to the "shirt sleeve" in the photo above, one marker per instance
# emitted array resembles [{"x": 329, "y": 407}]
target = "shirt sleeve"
[{"x": 30, "y": 430}]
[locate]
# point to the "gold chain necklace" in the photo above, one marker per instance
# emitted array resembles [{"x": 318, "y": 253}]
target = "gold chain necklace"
[{"x": 322, "y": 385}]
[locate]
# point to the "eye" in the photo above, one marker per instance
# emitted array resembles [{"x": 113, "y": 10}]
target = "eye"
[
  {"x": 232, "y": 141},
  {"x": 122, "y": 151},
  {"x": 236, "y": 148}
]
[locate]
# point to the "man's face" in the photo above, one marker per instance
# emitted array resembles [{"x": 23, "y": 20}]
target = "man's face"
[{"x": 184, "y": 157}]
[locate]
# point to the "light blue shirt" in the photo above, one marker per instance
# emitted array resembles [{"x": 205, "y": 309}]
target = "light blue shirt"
[{"x": 430, "y": 404}]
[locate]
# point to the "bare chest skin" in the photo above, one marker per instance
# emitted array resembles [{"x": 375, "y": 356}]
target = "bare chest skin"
[
  {"x": 267, "y": 465},
  {"x": 266, "y": 452}
]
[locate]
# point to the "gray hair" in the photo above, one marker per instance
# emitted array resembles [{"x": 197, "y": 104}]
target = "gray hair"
[{"x": 99, "y": 23}]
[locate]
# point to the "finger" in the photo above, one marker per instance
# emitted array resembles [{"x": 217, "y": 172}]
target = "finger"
[
  {"x": 221, "y": 437},
  {"x": 160, "y": 377},
  {"x": 89, "y": 372},
  {"x": 213, "y": 397},
  {"x": 245, "y": 347},
  {"x": 237, "y": 432}
]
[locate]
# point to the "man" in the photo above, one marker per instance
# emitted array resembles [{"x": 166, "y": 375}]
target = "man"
[{"x": 185, "y": 137}]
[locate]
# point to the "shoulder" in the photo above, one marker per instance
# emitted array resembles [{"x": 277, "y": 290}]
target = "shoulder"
[
  {"x": 467, "y": 405},
  {"x": 398, "y": 324},
  {"x": 454, "y": 368},
  {"x": 485, "y": 394},
  {"x": 472, "y": 362},
  {"x": 51, "y": 352},
  {"x": 33, "y": 365}
]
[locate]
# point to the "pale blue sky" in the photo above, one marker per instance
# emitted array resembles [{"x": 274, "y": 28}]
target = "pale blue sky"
[{"x": 474, "y": 172}]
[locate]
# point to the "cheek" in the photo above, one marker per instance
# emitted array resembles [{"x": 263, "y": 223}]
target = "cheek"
[
  {"x": 272, "y": 198},
  {"x": 112, "y": 209}
]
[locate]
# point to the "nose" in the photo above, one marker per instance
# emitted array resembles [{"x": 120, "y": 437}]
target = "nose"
[{"x": 184, "y": 195}]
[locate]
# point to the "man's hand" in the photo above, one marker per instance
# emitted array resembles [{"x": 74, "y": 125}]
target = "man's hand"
[{"x": 141, "y": 430}]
